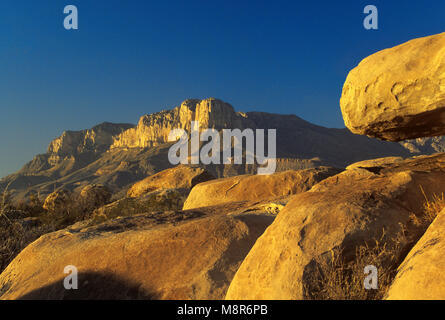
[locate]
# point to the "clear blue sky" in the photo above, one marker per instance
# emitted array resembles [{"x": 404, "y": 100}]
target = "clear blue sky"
[{"x": 130, "y": 58}]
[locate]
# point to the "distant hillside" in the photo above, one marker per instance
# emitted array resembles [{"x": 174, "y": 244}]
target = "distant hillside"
[{"x": 117, "y": 155}]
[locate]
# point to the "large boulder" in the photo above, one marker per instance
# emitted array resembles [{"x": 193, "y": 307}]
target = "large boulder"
[
  {"x": 255, "y": 187},
  {"x": 180, "y": 177},
  {"x": 170, "y": 255},
  {"x": 344, "y": 212},
  {"x": 59, "y": 200},
  {"x": 420, "y": 276},
  {"x": 398, "y": 93}
]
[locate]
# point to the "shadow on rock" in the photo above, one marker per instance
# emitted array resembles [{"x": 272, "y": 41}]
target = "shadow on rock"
[{"x": 92, "y": 286}]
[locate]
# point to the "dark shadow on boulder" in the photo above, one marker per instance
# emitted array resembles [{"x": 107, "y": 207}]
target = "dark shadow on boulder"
[
  {"x": 92, "y": 286},
  {"x": 375, "y": 170}
]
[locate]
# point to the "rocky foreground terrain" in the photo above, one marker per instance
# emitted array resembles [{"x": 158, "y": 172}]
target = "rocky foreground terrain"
[{"x": 136, "y": 227}]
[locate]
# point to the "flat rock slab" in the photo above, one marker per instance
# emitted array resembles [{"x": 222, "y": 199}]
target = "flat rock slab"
[
  {"x": 256, "y": 187},
  {"x": 374, "y": 163},
  {"x": 398, "y": 93},
  {"x": 167, "y": 255}
]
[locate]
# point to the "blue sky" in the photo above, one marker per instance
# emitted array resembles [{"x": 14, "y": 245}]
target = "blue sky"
[{"x": 129, "y": 58}]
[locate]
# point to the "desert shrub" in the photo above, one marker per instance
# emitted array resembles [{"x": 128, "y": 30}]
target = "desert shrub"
[
  {"x": 14, "y": 237},
  {"x": 64, "y": 216},
  {"x": 333, "y": 276},
  {"x": 5, "y": 202},
  {"x": 431, "y": 208},
  {"x": 93, "y": 196},
  {"x": 63, "y": 208},
  {"x": 31, "y": 207},
  {"x": 17, "y": 231}
]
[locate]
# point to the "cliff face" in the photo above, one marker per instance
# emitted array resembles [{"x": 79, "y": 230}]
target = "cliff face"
[
  {"x": 96, "y": 139},
  {"x": 153, "y": 129},
  {"x": 73, "y": 149}
]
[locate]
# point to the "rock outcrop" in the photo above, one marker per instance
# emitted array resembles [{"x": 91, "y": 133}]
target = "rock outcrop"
[
  {"x": 179, "y": 177},
  {"x": 255, "y": 187},
  {"x": 170, "y": 255},
  {"x": 398, "y": 93},
  {"x": 342, "y": 212},
  {"x": 58, "y": 200},
  {"x": 420, "y": 276}
]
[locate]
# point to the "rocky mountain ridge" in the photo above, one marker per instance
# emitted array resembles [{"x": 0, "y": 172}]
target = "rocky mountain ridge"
[{"x": 153, "y": 129}]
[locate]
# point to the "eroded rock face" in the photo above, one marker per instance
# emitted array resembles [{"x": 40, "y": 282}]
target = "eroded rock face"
[
  {"x": 154, "y": 129},
  {"x": 420, "y": 276},
  {"x": 58, "y": 200},
  {"x": 96, "y": 139},
  {"x": 180, "y": 177},
  {"x": 343, "y": 211},
  {"x": 255, "y": 187},
  {"x": 398, "y": 93},
  {"x": 170, "y": 255}
]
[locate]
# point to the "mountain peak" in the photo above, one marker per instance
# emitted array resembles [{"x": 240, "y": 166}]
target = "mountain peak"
[{"x": 153, "y": 129}]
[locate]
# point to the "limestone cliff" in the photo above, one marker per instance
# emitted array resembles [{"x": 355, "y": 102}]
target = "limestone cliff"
[
  {"x": 97, "y": 139},
  {"x": 153, "y": 129}
]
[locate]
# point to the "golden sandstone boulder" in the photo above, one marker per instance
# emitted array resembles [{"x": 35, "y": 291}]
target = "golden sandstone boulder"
[
  {"x": 421, "y": 276},
  {"x": 255, "y": 187},
  {"x": 180, "y": 177},
  {"x": 398, "y": 93},
  {"x": 342, "y": 212},
  {"x": 170, "y": 255}
]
